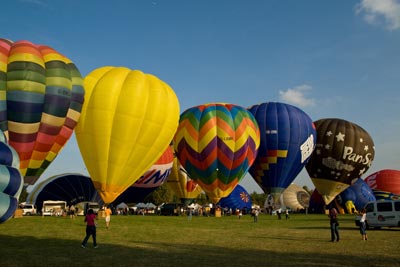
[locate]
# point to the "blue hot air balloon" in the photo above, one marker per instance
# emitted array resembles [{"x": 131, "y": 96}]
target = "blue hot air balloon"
[
  {"x": 237, "y": 199},
  {"x": 288, "y": 139},
  {"x": 357, "y": 196},
  {"x": 11, "y": 180}
]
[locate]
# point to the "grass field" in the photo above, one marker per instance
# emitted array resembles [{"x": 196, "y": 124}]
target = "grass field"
[{"x": 303, "y": 240}]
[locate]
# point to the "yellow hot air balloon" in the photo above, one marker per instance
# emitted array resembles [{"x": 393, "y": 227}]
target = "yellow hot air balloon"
[
  {"x": 127, "y": 121},
  {"x": 183, "y": 186}
]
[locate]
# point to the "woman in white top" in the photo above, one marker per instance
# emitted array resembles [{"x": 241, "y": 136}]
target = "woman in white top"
[{"x": 363, "y": 225}]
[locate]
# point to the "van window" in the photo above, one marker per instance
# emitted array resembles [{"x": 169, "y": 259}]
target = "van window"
[
  {"x": 369, "y": 207},
  {"x": 384, "y": 206},
  {"x": 397, "y": 206}
]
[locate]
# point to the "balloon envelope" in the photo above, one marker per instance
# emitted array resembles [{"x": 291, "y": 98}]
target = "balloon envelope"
[
  {"x": 70, "y": 187},
  {"x": 41, "y": 103},
  {"x": 296, "y": 198},
  {"x": 359, "y": 194},
  {"x": 128, "y": 120},
  {"x": 185, "y": 188},
  {"x": 237, "y": 199},
  {"x": 385, "y": 180},
  {"x": 216, "y": 144},
  {"x": 344, "y": 151},
  {"x": 150, "y": 181},
  {"x": 11, "y": 180},
  {"x": 287, "y": 141}
]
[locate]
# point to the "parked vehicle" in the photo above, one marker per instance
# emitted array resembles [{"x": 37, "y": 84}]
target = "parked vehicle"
[
  {"x": 382, "y": 214},
  {"x": 28, "y": 209}
]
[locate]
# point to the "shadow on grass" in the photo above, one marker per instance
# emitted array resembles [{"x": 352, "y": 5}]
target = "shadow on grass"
[{"x": 30, "y": 251}]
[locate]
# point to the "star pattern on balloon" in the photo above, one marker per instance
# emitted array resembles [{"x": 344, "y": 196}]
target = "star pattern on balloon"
[{"x": 340, "y": 137}]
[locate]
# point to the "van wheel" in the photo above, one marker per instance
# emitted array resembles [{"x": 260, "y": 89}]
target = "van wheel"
[{"x": 28, "y": 214}]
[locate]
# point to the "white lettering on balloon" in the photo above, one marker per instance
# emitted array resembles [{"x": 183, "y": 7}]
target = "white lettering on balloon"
[
  {"x": 349, "y": 155},
  {"x": 307, "y": 148}
]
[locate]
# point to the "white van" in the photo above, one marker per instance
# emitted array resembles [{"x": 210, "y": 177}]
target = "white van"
[
  {"x": 27, "y": 209},
  {"x": 382, "y": 214}
]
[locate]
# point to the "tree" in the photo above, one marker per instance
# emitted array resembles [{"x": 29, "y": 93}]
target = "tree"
[{"x": 162, "y": 194}]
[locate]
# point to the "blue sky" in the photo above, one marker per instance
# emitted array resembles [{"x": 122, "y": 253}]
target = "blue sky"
[{"x": 336, "y": 59}]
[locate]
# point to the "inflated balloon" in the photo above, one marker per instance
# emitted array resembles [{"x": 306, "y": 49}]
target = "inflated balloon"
[
  {"x": 355, "y": 197},
  {"x": 296, "y": 198},
  {"x": 11, "y": 180},
  {"x": 70, "y": 187},
  {"x": 150, "y": 181},
  {"x": 40, "y": 104},
  {"x": 216, "y": 144},
  {"x": 385, "y": 180},
  {"x": 237, "y": 199},
  {"x": 287, "y": 141},
  {"x": 185, "y": 188},
  {"x": 344, "y": 152},
  {"x": 128, "y": 120}
]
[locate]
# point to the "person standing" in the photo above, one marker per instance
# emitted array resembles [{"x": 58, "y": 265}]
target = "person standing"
[
  {"x": 334, "y": 223},
  {"x": 363, "y": 225},
  {"x": 108, "y": 213},
  {"x": 256, "y": 212},
  {"x": 90, "y": 228}
]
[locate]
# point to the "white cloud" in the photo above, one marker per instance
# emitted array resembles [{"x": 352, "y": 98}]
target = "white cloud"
[
  {"x": 385, "y": 12},
  {"x": 297, "y": 96}
]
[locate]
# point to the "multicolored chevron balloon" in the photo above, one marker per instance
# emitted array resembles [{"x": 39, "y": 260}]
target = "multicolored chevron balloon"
[
  {"x": 41, "y": 96},
  {"x": 216, "y": 144}
]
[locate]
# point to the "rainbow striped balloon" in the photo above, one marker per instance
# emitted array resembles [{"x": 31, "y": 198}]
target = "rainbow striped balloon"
[
  {"x": 41, "y": 96},
  {"x": 216, "y": 144}
]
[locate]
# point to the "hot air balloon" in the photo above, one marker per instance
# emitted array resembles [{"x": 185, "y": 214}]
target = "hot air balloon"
[
  {"x": 287, "y": 141},
  {"x": 128, "y": 120},
  {"x": 70, "y": 187},
  {"x": 344, "y": 152},
  {"x": 385, "y": 180},
  {"x": 216, "y": 143},
  {"x": 11, "y": 180},
  {"x": 41, "y": 103},
  {"x": 185, "y": 188},
  {"x": 296, "y": 198},
  {"x": 150, "y": 181},
  {"x": 355, "y": 197},
  {"x": 237, "y": 199}
]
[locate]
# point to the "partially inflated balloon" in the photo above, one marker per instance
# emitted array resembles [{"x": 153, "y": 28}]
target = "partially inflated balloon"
[
  {"x": 385, "y": 180},
  {"x": 237, "y": 199},
  {"x": 344, "y": 152},
  {"x": 287, "y": 141},
  {"x": 41, "y": 96},
  {"x": 128, "y": 120},
  {"x": 357, "y": 196},
  {"x": 216, "y": 144},
  {"x": 296, "y": 197},
  {"x": 11, "y": 180},
  {"x": 185, "y": 188},
  {"x": 150, "y": 181}
]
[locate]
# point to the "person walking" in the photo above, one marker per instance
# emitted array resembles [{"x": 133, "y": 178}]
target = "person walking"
[
  {"x": 363, "y": 225},
  {"x": 90, "y": 228},
  {"x": 108, "y": 213},
  {"x": 334, "y": 223}
]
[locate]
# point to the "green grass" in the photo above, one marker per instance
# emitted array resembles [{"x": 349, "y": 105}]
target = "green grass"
[{"x": 303, "y": 240}]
